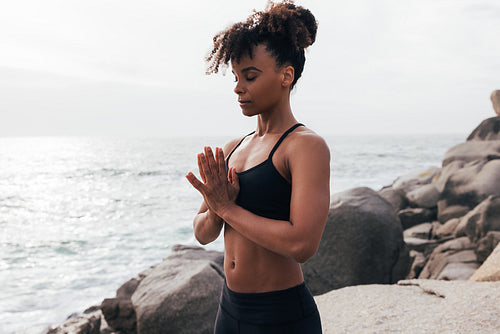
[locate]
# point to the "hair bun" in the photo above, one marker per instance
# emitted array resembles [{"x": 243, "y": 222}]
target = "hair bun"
[{"x": 287, "y": 21}]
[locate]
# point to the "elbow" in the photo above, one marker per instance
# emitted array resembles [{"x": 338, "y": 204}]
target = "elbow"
[{"x": 303, "y": 252}]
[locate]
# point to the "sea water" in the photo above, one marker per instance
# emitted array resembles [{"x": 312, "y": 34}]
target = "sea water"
[{"x": 80, "y": 216}]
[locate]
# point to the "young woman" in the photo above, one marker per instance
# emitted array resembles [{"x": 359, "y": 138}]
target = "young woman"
[{"x": 269, "y": 189}]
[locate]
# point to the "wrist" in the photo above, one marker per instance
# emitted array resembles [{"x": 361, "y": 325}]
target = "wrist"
[
  {"x": 225, "y": 211},
  {"x": 212, "y": 216}
]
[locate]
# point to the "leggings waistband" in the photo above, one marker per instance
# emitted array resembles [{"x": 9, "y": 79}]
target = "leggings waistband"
[{"x": 273, "y": 307}]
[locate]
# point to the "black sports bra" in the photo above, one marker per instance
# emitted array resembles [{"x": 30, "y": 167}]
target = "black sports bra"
[{"x": 263, "y": 190}]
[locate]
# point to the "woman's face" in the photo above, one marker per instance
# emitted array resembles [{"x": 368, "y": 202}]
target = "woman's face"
[{"x": 258, "y": 82}]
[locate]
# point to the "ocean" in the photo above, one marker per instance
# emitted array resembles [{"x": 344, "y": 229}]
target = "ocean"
[{"x": 80, "y": 216}]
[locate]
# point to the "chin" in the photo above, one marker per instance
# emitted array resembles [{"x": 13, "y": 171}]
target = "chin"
[{"x": 248, "y": 113}]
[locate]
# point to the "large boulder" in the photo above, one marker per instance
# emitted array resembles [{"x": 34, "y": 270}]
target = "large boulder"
[
  {"x": 410, "y": 217},
  {"x": 362, "y": 244},
  {"x": 396, "y": 198},
  {"x": 452, "y": 260},
  {"x": 181, "y": 294},
  {"x": 409, "y": 307},
  {"x": 413, "y": 180},
  {"x": 426, "y": 196},
  {"x": 473, "y": 150},
  {"x": 467, "y": 187},
  {"x": 490, "y": 269},
  {"x": 486, "y": 245},
  {"x": 489, "y": 129}
]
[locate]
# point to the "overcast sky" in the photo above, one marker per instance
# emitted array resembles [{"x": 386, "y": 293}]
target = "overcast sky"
[{"x": 136, "y": 68}]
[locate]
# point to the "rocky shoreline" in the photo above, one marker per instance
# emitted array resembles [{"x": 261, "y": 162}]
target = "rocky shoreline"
[{"x": 412, "y": 257}]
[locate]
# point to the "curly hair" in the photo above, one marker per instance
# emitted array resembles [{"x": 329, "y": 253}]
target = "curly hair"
[{"x": 284, "y": 28}]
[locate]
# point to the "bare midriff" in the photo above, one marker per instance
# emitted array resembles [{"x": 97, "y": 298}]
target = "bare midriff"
[{"x": 250, "y": 268}]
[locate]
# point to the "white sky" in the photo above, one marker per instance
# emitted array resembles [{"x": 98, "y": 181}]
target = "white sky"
[{"x": 136, "y": 68}]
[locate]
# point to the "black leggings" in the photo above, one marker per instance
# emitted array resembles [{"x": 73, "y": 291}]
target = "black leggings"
[{"x": 290, "y": 311}]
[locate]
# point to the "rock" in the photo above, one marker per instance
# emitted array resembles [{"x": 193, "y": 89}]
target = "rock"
[
  {"x": 119, "y": 312},
  {"x": 415, "y": 179},
  {"x": 181, "y": 294},
  {"x": 395, "y": 197},
  {"x": 453, "y": 260},
  {"x": 424, "y": 246},
  {"x": 413, "y": 216},
  {"x": 484, "y": 218},
  {"x": 495, "y": 100},
  {"x": 489, "y": 129},
  {"x": 473, "y": 150},
  {"x": 421, "y": 231},
  {"x": 469, "y": 186},
  {"x": 417, "y": 265},
  {"x": 87, "y": 323},
  {"x": 446, "y": 230},
  {"x": 425, "y": 196},
  {"x": 486, "y": 245},
  {"x": 447, "y": 212},
  {"x": 490, "y": 269},
  {"x": 362, "y": 244},
  {"x": 409, "y": 307}
]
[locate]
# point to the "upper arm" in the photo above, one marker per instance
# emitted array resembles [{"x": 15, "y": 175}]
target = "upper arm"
[{"x": 309, "y": 164}]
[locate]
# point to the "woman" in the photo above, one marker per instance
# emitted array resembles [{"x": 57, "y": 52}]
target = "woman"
[{"x": 269, "y": 189}]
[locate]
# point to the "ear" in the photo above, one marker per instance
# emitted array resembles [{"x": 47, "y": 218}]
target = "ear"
[{"x": 288, "y": 74}]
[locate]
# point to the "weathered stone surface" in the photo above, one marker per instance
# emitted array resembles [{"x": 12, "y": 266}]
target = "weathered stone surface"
[
  {"x": 489, "y": 129},
  {"x": 453, "y": 260},
  {"x": 421, "y": 231},
  {"x": 418, "y": 263},
  {"x": 395, "y": 197},
  {"x": 119, "y": 311},
  {"x": 362, "y": 244},
  {"x": 495, "y": 100},
  {"x": 181, "y": 294},
  {"x": 473, "y": 150},
  {"x": 414, "y": 216},
  {"x": 469, "y": 186},
  {"x": 424, "y": 246},
  {"x": 425, "y": 196},
  {"x": 447, "y": 212},
  {"x": 416, "y": 306},
  {"x": 486, "y": 245},
  {"x": 446, "y": 230},
  {"x": 415, "y": 179},
  {"x": 484, "y": 218},
  {"x": 87, "y": 323},
  {"x": 490, "y": 269}
]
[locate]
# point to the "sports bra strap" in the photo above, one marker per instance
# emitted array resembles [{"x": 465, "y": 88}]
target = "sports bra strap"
[
  {"x": 241, "y": 141},
  {"x": 283, "y": 136}
]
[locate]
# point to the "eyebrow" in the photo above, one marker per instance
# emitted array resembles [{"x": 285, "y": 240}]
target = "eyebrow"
[{"x": 249, "y": 68}]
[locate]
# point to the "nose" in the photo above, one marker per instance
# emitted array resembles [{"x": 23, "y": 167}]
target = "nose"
[{"x": 238, "y": 89}]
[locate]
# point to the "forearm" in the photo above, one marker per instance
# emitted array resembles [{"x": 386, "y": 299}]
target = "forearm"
[
  {"x": 207, "y": 227},
  {"x": 279, "y": 236}
]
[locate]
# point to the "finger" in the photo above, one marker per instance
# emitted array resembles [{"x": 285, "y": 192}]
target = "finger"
[
  {"x": 235, "y": 182},
  {"x": 200, "y": 168},
  {"x": 221, "y": 163},
  {"x": 195, "y": 182},
  {"x": 211, "y": 161},
  {"x": 204, "y": 167}
]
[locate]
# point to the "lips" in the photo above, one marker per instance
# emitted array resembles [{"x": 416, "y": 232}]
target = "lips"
[{"x": 243, "y": 103}]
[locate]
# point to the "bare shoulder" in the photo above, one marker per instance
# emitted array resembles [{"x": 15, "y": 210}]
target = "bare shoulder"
[
  {"x": 307, "y": 142},
  {"x": 230, "y": 145}
]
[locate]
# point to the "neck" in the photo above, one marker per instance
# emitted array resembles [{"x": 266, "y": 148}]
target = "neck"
[{"x": 276, "y": 121}]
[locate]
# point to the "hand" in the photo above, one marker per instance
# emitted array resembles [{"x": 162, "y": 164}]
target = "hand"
[{"x": 219, "y": 189}]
